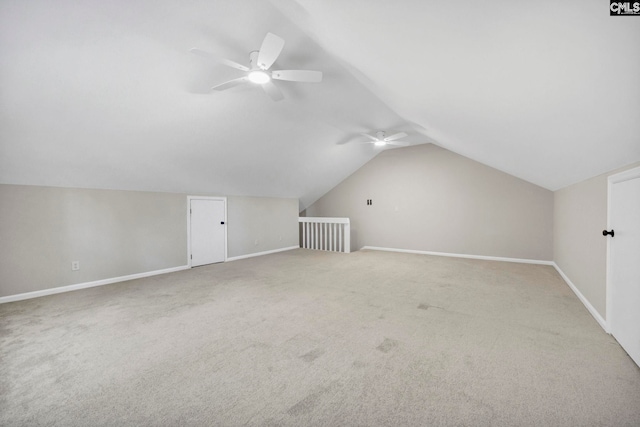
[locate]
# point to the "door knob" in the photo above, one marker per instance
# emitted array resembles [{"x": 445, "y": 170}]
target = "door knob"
[
  {"x": 605, "y": 232},
  {"x": 222, "y": 222}
]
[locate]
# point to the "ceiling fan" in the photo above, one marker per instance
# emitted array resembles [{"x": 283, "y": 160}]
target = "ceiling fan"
[
  {"x": 381, "y": 139},
  {"x": 258, "y": 71}
]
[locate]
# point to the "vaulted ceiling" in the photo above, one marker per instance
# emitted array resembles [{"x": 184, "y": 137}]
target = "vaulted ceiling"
[{"x": 105, "y": 94}]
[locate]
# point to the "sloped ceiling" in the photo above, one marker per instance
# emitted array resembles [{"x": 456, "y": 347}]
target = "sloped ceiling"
[{"x": 104, "y": 94}]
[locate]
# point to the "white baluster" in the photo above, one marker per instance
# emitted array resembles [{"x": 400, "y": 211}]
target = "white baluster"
[{"x": 347, "y": 238}]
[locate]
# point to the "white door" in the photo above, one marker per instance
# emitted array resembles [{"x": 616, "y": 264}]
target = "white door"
[
  {"x": 207, "y": 231},
  {"x": 624, "y": 263}
]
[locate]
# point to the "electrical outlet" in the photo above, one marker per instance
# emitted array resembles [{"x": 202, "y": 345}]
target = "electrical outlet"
[
  {"x": 75, "y": 265},
  {"x": 280, "y": 238},
  {"x": 256, "y": 243}
]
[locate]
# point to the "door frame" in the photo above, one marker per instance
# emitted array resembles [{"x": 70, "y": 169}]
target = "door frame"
[
  {"x": 614, "y": 179},
  {"x": 189, "y": 199}
]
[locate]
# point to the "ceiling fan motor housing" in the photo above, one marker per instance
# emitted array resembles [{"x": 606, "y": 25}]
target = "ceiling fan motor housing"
[{"x": 253, "y": 60}]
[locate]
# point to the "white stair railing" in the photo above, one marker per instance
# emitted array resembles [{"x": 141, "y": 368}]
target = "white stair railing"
[{"x": 325, "y": 234}]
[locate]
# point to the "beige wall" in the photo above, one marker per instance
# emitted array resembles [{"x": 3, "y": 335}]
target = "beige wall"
[
  {"x": 428, "y": 198},
  {"x": 271, "y": 222},
  {"x": 116, "y": 233},
  {"x": 111, "y": 233},
  {"x": 580, "y": 249}
]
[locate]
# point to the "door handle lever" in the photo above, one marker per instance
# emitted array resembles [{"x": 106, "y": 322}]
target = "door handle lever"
[{"x": 605, "y": 232}]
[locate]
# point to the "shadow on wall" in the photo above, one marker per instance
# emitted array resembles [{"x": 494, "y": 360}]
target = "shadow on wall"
[{"x": 300, "y": 242}]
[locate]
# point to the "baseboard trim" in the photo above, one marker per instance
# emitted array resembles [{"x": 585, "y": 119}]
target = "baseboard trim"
[
  {"x": 273, "y": 251},
  {"x": 69, "y": 288},
  {"x": 447, "y": 254},
  {"x": 568, "y": 281},
  {"x": 583, "y": 299}
]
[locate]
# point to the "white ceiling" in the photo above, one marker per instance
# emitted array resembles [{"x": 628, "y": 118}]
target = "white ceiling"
[{"x": 104, "y": 94}]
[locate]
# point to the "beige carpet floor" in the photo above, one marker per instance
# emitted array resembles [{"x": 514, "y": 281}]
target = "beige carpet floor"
[{"x": 321, "y": 339}]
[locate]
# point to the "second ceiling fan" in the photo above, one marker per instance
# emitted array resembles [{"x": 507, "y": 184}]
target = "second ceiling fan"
[
  {"x": 258, "y": 71},
  {"x": 381, "y": 139}
]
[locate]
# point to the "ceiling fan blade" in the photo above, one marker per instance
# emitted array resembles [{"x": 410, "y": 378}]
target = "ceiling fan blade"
[
  {"x": 227, "y": 62},
  {"x": 396, "y": 136},
  {"x": 273, "y": 91},
  {"x": 352, "y": 141},
  {"x": 298, "y": 75},
  {"x": 229, "y": 84},
  {"x": 271, "y": 47},
  {"x": 399, "y": 143},
  {"x": 372, "y": 138}
]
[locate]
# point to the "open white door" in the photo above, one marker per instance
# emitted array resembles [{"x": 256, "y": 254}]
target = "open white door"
[
  {"x": 623, "y": 308},
  {"x": 207, "y": 230}
]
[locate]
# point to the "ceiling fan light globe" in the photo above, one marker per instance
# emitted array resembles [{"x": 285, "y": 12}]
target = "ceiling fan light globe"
[
  {"x": 379, "y": 143},
  {"x": 258, "y": 77}
]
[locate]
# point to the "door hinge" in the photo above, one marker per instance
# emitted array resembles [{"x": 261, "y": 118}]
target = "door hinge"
[{"x": 191, "y": 256}]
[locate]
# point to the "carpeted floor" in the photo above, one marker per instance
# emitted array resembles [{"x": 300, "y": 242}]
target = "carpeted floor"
[{"x": 313, "y": 338}]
